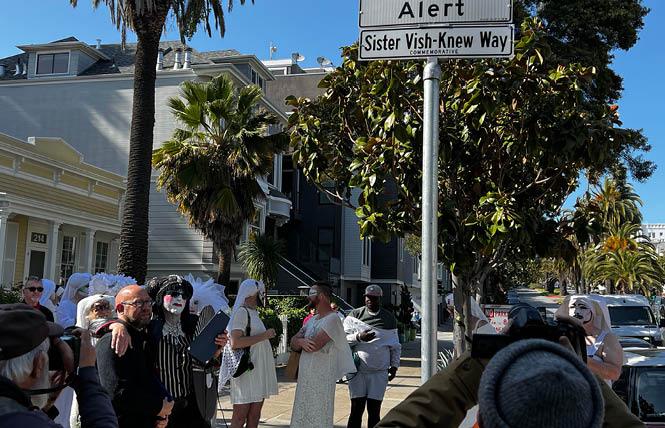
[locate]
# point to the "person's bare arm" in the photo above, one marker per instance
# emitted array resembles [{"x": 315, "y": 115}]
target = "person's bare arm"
[
  {"x": 610, "y": 367},
  {"x": 316, "y": 343},
  {"x": 296, "y": 341}
]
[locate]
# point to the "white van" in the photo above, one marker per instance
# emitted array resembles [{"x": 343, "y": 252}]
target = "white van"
[{"x": 631, "y": 316}]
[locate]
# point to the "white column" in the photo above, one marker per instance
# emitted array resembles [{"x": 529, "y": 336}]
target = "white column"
[
  {"x": 89, "y": 250},
  {"x": 52, "y": 264},
  {"x": 3, "y": 236}
]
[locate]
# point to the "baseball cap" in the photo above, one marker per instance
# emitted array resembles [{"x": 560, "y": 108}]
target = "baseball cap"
[
  {"x": 22, "y": 329},
  {"x": 373, "y": 290}
]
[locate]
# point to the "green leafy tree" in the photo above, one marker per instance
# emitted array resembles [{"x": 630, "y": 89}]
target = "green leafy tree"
[
  {"x": 210, "y": 167},
  {"x": 260, "y": 255},
  {"x": 147, "y": 19},
  {"x": 514, "y": 137}
]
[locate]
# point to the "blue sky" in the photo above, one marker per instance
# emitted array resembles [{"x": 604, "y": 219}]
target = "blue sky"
[{"x": 318, "y": 28}]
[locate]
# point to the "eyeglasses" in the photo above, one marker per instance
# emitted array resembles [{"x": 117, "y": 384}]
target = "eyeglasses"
[
  {"x": 139, "y": 303},
  {"x": 313, "y": 292},
  {"x": 33, "y": 289}
]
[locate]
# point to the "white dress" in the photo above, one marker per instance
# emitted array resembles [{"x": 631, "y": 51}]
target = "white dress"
[
  {"x": 318, "y": 372},
  {"x": 256, "y": 385}
]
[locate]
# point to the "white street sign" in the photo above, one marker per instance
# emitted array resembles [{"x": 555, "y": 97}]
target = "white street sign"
[
  {"x": 395, "y": 13},
  {"x": 441, "y": 42}
]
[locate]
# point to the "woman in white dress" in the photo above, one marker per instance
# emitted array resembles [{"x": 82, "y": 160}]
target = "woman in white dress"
[
  {"x": 249, "y": 390},
  {"x": 326, "y": 357},
  {"x": 75, "y": 290}
]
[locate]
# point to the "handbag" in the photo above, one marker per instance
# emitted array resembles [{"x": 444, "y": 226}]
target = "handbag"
[
  {"x": 292, "y": 365},
  {"x": 245, "y": 362}
]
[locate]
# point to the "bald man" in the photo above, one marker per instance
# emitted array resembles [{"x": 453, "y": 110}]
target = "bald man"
[{"x": 139, "y": 399}]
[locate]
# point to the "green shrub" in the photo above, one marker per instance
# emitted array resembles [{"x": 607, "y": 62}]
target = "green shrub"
[
  {"x": 10, "y": 296},
  {"x": 294, "y": 308},
  {"x": 271, "y": 320}
]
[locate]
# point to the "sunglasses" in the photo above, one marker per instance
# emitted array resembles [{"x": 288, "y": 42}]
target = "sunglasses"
[
  {"x": 101, "y": 306},
  {"x": 33, "y": 289},
  {"x": 177, "y": 294}
]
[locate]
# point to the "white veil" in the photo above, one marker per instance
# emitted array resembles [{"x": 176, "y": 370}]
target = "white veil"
[
  {"x": 84, "y": 306},
  {"x": 49, "y": 289},
  {"x": 247, "y": 288}
]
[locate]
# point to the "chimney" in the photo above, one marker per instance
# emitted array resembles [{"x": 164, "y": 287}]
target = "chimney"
[
  {"x": 99, "y": 43},
  {"x": 160, "y": 59},
  {"x": 178, "y": 55},
  {"x": 2, "y": 70},
  {"x": 188, "y": 58}
]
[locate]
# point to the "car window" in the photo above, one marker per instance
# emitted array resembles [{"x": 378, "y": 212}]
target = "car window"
[
  {"x": 650, "y": 397},
  {"x": 631, "y": 315},
  {"x": 620, "y": 386}
]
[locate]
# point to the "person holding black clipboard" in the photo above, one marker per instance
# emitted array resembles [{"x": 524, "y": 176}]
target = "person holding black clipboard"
[{"x": 171, "y": 332}]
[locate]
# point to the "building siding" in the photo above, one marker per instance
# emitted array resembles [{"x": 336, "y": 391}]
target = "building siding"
[
  {"x": 93, "y": 116},
  {"x": 20, "y": 247},
  {"x": 352, "y": 244},
  {"x": 48, "y": 194}
]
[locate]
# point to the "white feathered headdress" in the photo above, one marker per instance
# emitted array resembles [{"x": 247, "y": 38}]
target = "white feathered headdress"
[
  {"x": 207, "y": 293},
  {"x": 109, "y": 284}
]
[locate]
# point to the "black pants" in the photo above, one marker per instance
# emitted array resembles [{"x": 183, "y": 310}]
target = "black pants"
[
  {"x": 358, "y": 408},
  {"x": 186, "y": 414}
]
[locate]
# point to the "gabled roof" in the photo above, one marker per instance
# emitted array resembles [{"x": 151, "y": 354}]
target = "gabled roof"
[{"x": 112, "y": 58}]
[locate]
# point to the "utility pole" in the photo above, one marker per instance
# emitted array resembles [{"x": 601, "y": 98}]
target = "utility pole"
[{"x": 430, "y": 204}]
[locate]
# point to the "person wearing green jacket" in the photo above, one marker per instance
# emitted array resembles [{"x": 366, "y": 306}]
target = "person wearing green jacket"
[{"x": 445, "y": 399}]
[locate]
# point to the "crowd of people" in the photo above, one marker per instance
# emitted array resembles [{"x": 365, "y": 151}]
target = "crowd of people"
[{"x": 132, "y": 366}]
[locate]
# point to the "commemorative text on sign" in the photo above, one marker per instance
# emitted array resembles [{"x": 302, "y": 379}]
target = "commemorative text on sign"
[
  {"x": 395, "y": 13},
  {"x": 456, "y": 42}
]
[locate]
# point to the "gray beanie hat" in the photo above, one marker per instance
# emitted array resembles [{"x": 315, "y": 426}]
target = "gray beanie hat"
[{"x": 540, "y": 384}]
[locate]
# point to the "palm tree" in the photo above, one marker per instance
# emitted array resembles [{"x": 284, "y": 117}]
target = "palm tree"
[
  {"x": 147, "y": 18},
  {"x": 629, "y": 270},
  {"x": 617, "y": 204},
  {"x": 260, "y": 255},
  {"x": 210, "y": 167}
]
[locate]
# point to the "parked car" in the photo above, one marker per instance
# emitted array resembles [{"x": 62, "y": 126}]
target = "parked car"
[
  {"x": 642, "y": 384},
  {"x": 634, "y": 342},
  {"x": 631, "y": 316}
]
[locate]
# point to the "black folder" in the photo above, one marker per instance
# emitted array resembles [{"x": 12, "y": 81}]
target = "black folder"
[{"x": 203, "y": 347}]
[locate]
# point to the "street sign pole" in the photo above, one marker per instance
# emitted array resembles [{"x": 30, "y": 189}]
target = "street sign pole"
[{"x": 430, "y": 203}]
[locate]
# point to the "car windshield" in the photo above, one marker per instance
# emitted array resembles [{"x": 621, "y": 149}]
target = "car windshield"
[
  {"x": 650, "y": 397},
  {"x": 631, "y": 315}
]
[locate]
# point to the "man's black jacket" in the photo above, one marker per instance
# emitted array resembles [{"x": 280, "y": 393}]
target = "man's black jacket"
[{"x": 135, "y": 390}]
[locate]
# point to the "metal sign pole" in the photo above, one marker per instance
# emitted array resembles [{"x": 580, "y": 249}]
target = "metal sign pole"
[{"x": 430, "y": 203}]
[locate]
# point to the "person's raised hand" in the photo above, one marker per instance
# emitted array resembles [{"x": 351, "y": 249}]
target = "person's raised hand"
[
  {"x": 220, "y": 340},
  {"x": 270, "y": 333},
  {"x": 366, "y": 335},
  {"x": 87, "y": 353},
  {"x": 120, "y": 338}
]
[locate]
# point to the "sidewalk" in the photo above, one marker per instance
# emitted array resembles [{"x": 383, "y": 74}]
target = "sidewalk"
[{"x": 277, "y": 410}]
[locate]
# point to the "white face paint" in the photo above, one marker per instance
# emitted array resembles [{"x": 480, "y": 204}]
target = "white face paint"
[
  {"x": 581, "y": 311},
  {"x": 174, "y": 305}
]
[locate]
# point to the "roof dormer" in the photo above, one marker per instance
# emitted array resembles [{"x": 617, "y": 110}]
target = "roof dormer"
[{"x": 61, "y": 58}]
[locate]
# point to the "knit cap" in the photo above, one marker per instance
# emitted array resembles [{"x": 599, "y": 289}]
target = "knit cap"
[{"x": 540, "y": 384}]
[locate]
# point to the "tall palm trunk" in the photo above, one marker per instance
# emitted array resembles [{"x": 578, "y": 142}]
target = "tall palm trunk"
[
  {"x": 133, "y": 258},
  {"x": 224, "y": 274}
]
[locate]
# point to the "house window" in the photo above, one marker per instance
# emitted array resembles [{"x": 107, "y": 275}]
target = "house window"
[
  {"x": 67, "y": 257},
  {"x": 101, "y": 256},
  {"x": 367, "y": 246},
  {"x": 324, "y": 199},
  {"x": 254, "y": 226},
  {"x": 57, "y": 63},
  {"x": 324, "y": 251}
]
